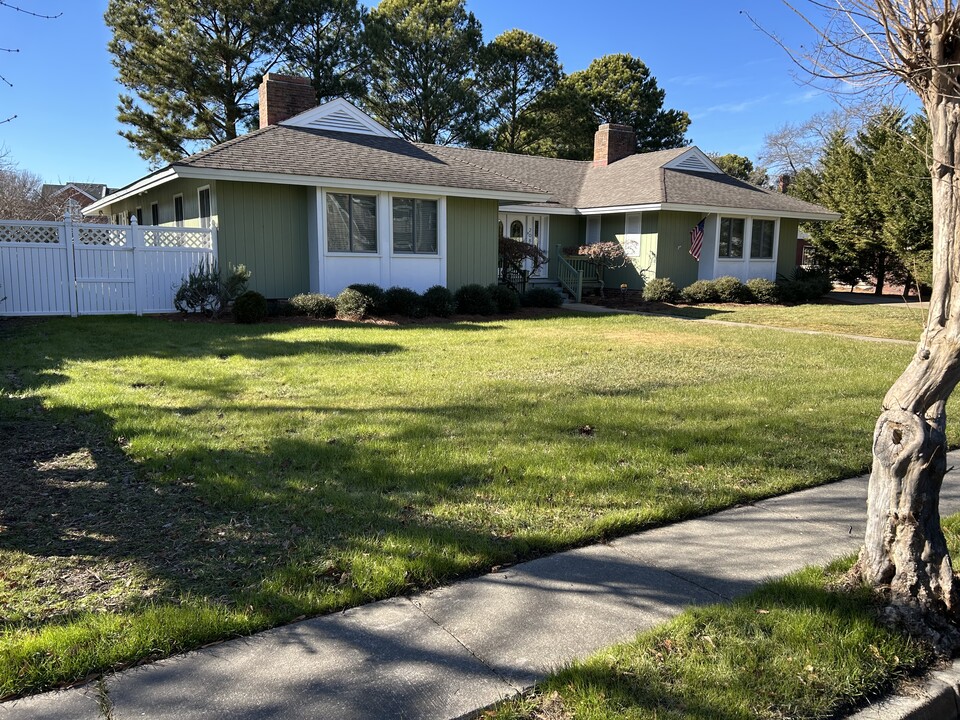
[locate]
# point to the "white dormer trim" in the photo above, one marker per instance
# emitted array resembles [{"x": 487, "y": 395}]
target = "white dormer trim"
[
  {"x": 693, "y": 160},
  {"x": 339, "y": 116}
]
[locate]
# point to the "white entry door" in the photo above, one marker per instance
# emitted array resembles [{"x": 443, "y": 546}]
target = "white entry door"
[{"x": 530, "y": 229}]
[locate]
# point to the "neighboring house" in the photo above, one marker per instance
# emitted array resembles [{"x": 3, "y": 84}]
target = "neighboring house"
[
  {"x": 323, "y": 197},
  {"x": 74, "y": 196}
]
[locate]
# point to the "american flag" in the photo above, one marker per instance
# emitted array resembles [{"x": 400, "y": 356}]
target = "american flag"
[{"x": 696, "y": 240}]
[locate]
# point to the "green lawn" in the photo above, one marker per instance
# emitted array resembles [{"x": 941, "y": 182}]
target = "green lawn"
[
  {"x": 895, "y": 321},
  {"x": 798, "y": 648},
  {"x": 175, "y": 483}
]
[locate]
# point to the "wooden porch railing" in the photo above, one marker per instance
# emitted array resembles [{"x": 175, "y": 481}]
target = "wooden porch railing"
[
  {"x": 570, "y": 278},
  {"x": 590, "y": 273}
]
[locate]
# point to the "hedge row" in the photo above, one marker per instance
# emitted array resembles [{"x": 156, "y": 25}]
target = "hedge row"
[
  {"x": 804, "y": 287},
  {"x": 362, "y": 300}
]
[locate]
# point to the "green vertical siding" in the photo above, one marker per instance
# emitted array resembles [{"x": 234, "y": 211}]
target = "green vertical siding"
[
  {"x": 264, "y": 227},
  {"x": 566, "y": 231},
  {"x": 787, "y": 250},
  {"x": 673, "y": 247},
  {"x": 163, "y": 196},
  {"x": 471, "y": 241}
]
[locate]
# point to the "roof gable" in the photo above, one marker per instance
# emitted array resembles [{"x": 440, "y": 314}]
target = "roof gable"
[
  {"x": 339, "y": 116},
  {"x": 693, "y": 160}
]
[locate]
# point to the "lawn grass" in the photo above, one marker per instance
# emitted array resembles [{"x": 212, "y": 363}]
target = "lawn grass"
[
  {"x": 800, "y": 648},
  {"x": 894, "y": 321},
  {"x": 176, "y": 483}
]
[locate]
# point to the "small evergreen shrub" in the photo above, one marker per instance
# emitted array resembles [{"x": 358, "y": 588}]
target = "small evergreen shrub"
[
  {"x": 730, "y": 289},
  {"x": 506, "y": 300},
  {"x": 439, "y": 301},
  {"x": 315, "y": 305},
  {"x": 475, "y": 300},
  {"x": 403, "y": 301},
  {"x": 542, "y": 298},
  {"x": 353, "y": 305},
  {"x": 660, "y": 290},
  {"x": 806, "y": 286},
  {"x": 763, "y": 290},
  {"x": 250, "y": 307},
  {"x": 702, "y": 291},
  {"x": 205, "y": 291},
  {"x": 373, "y": 292}
]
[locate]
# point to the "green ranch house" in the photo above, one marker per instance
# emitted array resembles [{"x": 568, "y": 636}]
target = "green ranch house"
[{"x": 321, "y": 197}]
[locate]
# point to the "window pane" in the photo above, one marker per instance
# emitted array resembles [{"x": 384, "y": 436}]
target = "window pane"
[
  {"x": 724, "y": 247},
  {"x": 403, "y": 225},
  {"x": 204, "y": 199},
  {"x": 178, "y": 209},
  {"x": 154, "y": 214},
  {"x": 761, "y": 245},
  {"x": 736, "y": 237},
  {"x": 426, "y": 226},
  {"x": 364, "y": 223},
  {"x": 338, "y": 223},
  {"x": 516, "y": 230}
]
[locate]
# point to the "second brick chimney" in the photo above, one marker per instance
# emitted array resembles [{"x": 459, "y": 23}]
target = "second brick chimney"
[
  {"x": 613, "y": 142},
  {"x": 283, "y": 96}
]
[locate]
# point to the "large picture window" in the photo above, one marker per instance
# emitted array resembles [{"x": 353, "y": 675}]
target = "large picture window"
[
  {"x": 731, "y": 237},
  {"x": 351, "y": 223},
  {"x": 761, "y": 239},
  {"x": 415, "y": 226}
]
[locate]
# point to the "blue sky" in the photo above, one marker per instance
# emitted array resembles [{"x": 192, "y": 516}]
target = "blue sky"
[{"x": 735, "y": 83}]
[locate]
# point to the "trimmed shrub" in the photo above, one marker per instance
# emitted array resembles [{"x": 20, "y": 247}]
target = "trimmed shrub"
[
  {"x": 373, "y": 292},
  {"x": 541, "y": 297},
  {"x": 475, "y": 300},
  {"x": 403, "y": 301},
  {"x": 660, "y": 290},
  {"x": 353, "y": 305},
  {"x": 439, "y": 301},
  {"x": 806, "y": 286},
  {"x": 762, "y": 290},
  {"x": 730, "y": 289},
  {"x": 702, "y": 291},
  {"x": 315, "y": 305},
  {"x": 250, "y": 307},
  {"x": 506, "y": 300}
]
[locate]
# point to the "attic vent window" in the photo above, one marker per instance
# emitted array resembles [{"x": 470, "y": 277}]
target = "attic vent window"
[
  {"x": 694, "y": 163},
  {"x": 340, "y": 121}
]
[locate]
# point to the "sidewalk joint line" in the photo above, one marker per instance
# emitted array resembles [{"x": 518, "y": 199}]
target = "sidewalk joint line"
[{"x": 506, "y": 681}]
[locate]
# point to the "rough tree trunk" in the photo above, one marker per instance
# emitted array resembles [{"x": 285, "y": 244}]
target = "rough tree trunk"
[{"x": 904, "y": 551}]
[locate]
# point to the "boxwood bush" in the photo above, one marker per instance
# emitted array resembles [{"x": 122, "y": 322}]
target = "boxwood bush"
[
  {"x": 660, "y": 290},
  {"x": 372, "y": 292},
  {"x": 439, "y": 301},
  {"x": 506, "y": 300},
  {"x": 762, "y": 290},
  {"x": 541, "y": 297},
  {"x": 315, "y": 305},
  {"x": 250, "y": 307},
  {"x": 402, "y": 301},
  {"x": 702, "y": 291},
  {"x": 730, "y": 289},
  {"x": 353, "y": 305},
  {"x": 475, "y": 299}
]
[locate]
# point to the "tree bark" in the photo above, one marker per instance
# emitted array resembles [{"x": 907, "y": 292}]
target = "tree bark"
[{"x": 904, "y": 552}]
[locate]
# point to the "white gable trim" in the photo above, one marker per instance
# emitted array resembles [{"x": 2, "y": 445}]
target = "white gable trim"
[
  {"x": 142, "y": 185},
  {"x": 693, "y": 160},
  {"x": 338, "y": 116},
  {"x": 70, "y": 186}
]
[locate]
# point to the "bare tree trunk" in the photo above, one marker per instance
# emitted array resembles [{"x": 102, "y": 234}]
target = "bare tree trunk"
[{"x": 904, "y": 551}]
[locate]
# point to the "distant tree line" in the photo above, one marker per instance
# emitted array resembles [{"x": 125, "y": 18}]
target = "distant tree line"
[{"x": 190, "y": 72}]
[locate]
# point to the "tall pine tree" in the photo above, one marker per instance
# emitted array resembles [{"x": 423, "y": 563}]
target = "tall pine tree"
[{"x": 191, "y": 68}]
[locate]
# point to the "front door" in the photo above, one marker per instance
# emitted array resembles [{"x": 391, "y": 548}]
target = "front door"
[{"x": 530, "y": 229}]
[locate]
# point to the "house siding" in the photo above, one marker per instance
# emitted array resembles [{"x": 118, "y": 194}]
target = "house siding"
[
  {"x": 673, "y": 247},
  {"x": 787, "y": 252},
  {"x": 472, "y": 245},
  {"x": 163, "y": 196},
  {"x": 566, "y": 231},
  {"x": 264, "y": 227}
]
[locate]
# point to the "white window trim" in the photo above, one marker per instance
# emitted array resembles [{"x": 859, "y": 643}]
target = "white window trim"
[
  {"x": 200, "y": 207},
  {"x": 441, "y": 226},
  {"x": 748, "y": 240},
  {"x": 182, "y": 221},
  {"x": 323, "y": 223}
]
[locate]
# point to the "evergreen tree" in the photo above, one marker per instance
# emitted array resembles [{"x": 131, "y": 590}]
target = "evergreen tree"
[
  {"x": 615, "y": 89},
  {"x": 515, "y": 69},
  {"x": 191, "y": 69},
  {"x": 328, "y": 45},
  {"x": 424, "y": 55},
  {"x": 741, "y": 168}
]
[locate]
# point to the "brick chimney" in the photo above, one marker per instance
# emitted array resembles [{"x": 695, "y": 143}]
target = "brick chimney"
[
  {"x": 613, "y": 142},
  {"x": 283, "y": 96},
  {"x": 783, "y": 183}
]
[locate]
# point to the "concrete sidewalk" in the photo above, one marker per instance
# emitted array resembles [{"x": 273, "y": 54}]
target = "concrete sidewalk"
[{"x": 447, "y": 653}]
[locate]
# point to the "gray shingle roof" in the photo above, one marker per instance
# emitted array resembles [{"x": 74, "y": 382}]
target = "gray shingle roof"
[{"x": 323, "y": 153}]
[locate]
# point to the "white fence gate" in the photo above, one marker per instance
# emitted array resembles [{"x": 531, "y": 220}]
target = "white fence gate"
[{"x": 69, "y": 268}]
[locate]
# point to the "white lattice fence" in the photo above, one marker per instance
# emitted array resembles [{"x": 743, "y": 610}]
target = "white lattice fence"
[{"x": 84, "y": 268}]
